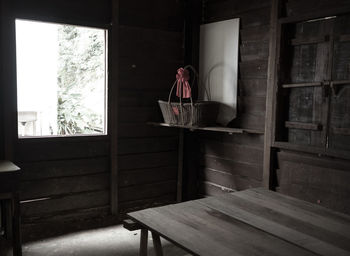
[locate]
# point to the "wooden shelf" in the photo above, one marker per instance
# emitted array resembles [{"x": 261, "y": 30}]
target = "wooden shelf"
[
  {"x": 343, "y": 154},
  {"x": 213, "y": 128},
  {"x": 312, "y": 40},
  {"x": 303, "y": 126}
]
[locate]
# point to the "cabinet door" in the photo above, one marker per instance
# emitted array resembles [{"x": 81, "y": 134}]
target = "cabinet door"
[
  {"x": 339, "y": 123},
  {"x": 308, "y": 63}
]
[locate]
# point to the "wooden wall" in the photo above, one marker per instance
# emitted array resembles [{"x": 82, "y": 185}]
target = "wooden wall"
[
  {"x": 62, "y": 178},
  {"x": 150, "y": 51},
  {"x": 71, "y": 177},
  {"x": 303, "y": 172},
  {"x": 234, "y": 162},
  {"x": 67, "y": 179}
]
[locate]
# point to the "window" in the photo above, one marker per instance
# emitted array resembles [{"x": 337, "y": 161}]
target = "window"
[
  {"x": 61, "y": 79},
  {"x": 316, "y": 83}
]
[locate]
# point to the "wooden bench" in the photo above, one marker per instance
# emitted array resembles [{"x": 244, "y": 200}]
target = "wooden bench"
[
  {"x": 251, "y": 222},
  {"x": 9, "y": 198}
]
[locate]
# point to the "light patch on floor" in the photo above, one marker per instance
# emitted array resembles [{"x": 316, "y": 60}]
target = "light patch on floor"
[{"x": 109, "y": 241}]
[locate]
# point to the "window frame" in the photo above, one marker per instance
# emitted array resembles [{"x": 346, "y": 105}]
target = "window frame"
[{"x": 107, "y": 113}]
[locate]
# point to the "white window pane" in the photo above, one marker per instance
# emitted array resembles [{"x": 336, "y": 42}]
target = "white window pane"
[{"x": 61, "y": 79}]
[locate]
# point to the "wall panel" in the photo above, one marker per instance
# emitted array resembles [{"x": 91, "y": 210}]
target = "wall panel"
[
  {"x": 151, "y": 50},
  {"x": 234, "y": 162}
]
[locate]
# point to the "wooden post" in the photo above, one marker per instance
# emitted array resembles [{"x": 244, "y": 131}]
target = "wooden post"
[
  {"x": 112, "y": 105},
  {"x": 143, "y": 242},
  {"x": 157, "y": 244},
  {"x": 16, "y": 224},
  {"x": 8, "y": 219},
  {"x": 271, "y": 93},
  {"x": 180, "y": 166},
  {"x": 8, "y": 77}
]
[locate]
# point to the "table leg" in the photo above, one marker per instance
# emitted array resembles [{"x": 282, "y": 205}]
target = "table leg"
[
  {"x": 8, "y": 219},
  {"x": 157, "y": 244},
  {"x": 16, "y": 223},
  {"x": 143, "y": 242}
]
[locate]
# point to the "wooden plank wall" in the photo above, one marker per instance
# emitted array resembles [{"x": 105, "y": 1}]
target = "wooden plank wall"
[
  {"x": 69, "y": 178},
  {"x": 234, "y": 162},
  {"x": 63, "y": 178},
  {"x": 150, "y": 51},
  {"x": 57, "y": 183},
  {"x": 320, "y": 180},
  {"x": 315, "y": 178}
]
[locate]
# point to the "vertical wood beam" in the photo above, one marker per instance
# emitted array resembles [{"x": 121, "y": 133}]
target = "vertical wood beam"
[
  {"x": 2, "y": 121},
  {"x": 113, "y": 74},
  {"x": 271, "y": 93},
  {"x": 16, "y": 223},
  {"x": 193, "y": 15},
  {"x": 157, "y": 244},
  {"x": 143, "y": 242},
  {"x": 180, "y": 165},
  {"x": 8, "y": 77}
]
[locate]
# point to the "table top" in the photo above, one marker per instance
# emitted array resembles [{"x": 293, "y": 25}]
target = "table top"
[
  {"x": 7, "y": 166},
  {"x": 250, "y": 222}
]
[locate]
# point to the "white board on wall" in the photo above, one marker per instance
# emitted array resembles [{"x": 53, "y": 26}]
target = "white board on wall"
[{"x": 218, "y": 66}]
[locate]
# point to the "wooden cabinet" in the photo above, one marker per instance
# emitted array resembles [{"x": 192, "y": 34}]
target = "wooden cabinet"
[{"x": 314, "y": 84}]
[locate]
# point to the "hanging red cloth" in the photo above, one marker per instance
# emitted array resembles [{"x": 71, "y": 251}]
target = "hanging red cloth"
[{"x": 182, "y": 78}]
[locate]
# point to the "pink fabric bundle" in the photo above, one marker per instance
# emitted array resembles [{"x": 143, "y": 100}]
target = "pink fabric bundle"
[{"x": 182, "y": 78}]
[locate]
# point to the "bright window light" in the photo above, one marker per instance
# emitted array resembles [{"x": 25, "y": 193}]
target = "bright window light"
[{"x": 61, "y": 79}]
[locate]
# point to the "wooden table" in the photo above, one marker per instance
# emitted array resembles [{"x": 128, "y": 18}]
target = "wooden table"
[
  {"x": 251, "y": 222},
  {"x": 9, "y": 196}
]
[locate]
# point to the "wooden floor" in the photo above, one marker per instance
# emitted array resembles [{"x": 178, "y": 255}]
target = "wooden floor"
[{"x": 114, "y": 240}]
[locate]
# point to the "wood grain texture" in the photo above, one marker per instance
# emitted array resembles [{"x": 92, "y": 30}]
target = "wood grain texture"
[
  {"x": 33, "y": 150},
  {"x": 63, "y": 168},
  {"x": 163, "y": 15},
  {"x": 250, "y": 207},
  {"x": 113, "y": 115},
  {"x": 207, "y": 188},
  {"x": 252, "y": 87},
  {"x": 227, "y": 180},
  {"x": 2, "y": 93},
  {"x": 36, "y": 154},
  {"x": 64, "y": 185},
  {"x": 227, "y": 154},
  {"x": 147, "y": 145},
  {"x": 233, "y": 167},
  {"x": 147, "y": 160},
  {"x": 135, "y": 205},
  {"x": 240, "y": 153},
  {"x": 151, "y": 50},
  {"x": 65, "y": 204},
  {"x": 316, "y": 179},
  {"x": 318, "y": 54},
  {"x": 142, "y": 47},
  {"x": 79, "y": 12},
  {"x": 300, "y": 8},
  {"x": 147, "y": 176},
  {"x": 146, "y": 191},
  {"x": 247, "y": 222},
  {"x": 217, "y": 10}
]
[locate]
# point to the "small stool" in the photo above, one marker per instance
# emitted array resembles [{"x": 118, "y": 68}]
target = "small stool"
[{"x": 9, "y": 197}]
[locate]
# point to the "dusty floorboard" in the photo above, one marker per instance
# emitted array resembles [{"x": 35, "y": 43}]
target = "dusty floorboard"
[{"x": 114, "y": 240}]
